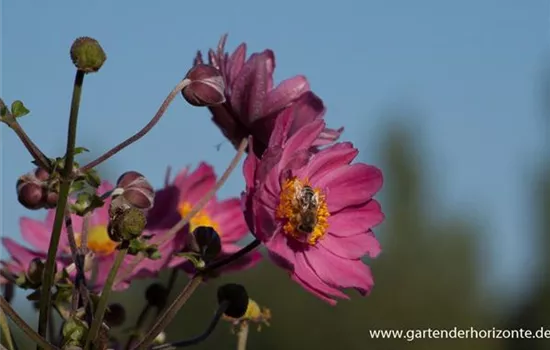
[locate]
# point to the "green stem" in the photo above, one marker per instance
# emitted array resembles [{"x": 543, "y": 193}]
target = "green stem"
[
  {"x": 37, "y": 338},
  {"x": 105, "y": 293},
  {"x": 4, "y": 326},
  {"x": 49, "y": 273}
]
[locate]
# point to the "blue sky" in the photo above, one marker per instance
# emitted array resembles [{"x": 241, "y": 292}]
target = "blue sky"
[{"x": 469, "y": 68}]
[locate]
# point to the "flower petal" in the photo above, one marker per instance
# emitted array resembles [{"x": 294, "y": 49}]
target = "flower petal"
[
  {"x": 285, "y": 93},
  {"x": 36, "y": 233},
  {"x": 338, "y": 272},
  {"x": 354, "y": 220},
  {"x": 352, "y": 246},
  {"x": 19, "y": 253},
  {"x": 350, "y": 185},
  {"x": 194, "y": 186},
  {"x": 329, "y": 159},
  {"x": 305, "y": 272},
  {"x": 230, "y": 218}
]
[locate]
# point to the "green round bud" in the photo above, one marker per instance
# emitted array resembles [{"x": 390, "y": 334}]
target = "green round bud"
[
  {"x": 130, "y": 224},
  {"x": 87, "y": 54}
]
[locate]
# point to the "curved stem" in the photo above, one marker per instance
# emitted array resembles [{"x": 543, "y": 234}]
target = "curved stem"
[
  {"x": 105, "y": 293},
  {"x": 233, "y": 257},
  {"x": 182, "y": 298},
  {"x": 140, "y": 133},
  {"x": 198, "y": 207},
  {"x": 242, "y": 336},
  {"x": 41, "y": 160},
  {"x": 45, "y": 300},
  {"x": 37, "y": 338},
  {"x": 170, "y": 313},
  {"x": 193, "y": 341},
  {"x": 5, "y": 328}
]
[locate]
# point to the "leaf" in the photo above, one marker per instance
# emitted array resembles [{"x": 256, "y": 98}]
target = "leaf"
[
  {"x": 18, "y": 109},
  {"x": 92, "y": 178},
  {"x": 78, "y": 150}
]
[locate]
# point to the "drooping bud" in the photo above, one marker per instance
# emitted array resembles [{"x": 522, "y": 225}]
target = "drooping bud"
[
  {"x": 35, "y": 272},
  {"x": 30, "y": 192},
  {"x": 204, "y": 241},
  {"x": 126, "y": 225},
  {"x": 156, "y": 295},
  {"x": 236, "y": 297},
  {"x": 206, "y": 86},
  {"x": 136, "y": 190},
  {"x": 87, "y": 55},
  {"x": 115, "y": 315}
]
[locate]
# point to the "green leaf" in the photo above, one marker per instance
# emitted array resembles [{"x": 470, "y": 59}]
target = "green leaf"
[
  {"x": 92, "y": 178},
  {"x": 18, "y": 109},
  {"x": 78, "y": 150}
]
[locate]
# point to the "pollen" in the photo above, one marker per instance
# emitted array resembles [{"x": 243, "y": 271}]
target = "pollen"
[
  {"x": 98, "y": 241},
  {"x": 200, "y": 219},
  {"x": 293, "y": 215}
]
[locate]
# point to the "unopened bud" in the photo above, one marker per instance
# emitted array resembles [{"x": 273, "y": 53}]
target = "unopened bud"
[
  {"x": 135, "y": 188},
  {"x": 41, "y": 174},
  {"x": 87, "y": 55},
  {"x": 115, "y": 315},
  {"x": 236, "y": 297},
  {"x": 156, "y": 295},
  {"x": 30, "y": 192},
  {"x": 35, "y": 272},
  {"x": 51, "y": 199},
  {"x": 160, "y": 338},
  {"x": 206, "y": 242},
  {"x": 206, "y": 86},
  {"x": 127, "y": 225}
]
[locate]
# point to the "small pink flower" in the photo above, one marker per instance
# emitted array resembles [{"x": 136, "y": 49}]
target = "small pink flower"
[
  {"x": 314, "y": 212},
  {"x": 177, "y": 199},
  {"x": 252, "y": 103},
  {"x": 38, "y": 233}
]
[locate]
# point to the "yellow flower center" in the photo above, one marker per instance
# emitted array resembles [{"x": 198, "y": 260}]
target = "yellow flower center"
[
  {"x": 304, "y": 211},
  {"x": 200, "y": 219},
  {"x": 98, "y": 241}
]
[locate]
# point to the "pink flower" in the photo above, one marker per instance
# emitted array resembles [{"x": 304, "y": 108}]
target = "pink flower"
[
  {"x": 314, "y": 212},
  {"x": 177, "y": 199},
  {"x": 38, "y": 233},
  {"x": 252, "y": 103}
]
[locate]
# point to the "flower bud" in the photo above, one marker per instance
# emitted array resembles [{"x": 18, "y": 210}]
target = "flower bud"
[
  {"x": 156, "y": 295},
  {"x": 30, "y": 192},
  {"x": 126, "y": 225},
  {"x": 135, "y": 188},
  {"x": 237, "y": 299},
  {"x": 115, "y": 315},
  {"x": 35, "y": 272},
  {"x": 87, "y": 55},
  {"x": 51, "y": 199},
  {"x": 206, "y": 86},
  {"x": 41, "y": 174},
  {"x": 206, "y": 242}
]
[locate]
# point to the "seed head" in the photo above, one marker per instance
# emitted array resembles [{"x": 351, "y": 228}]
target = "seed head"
[{"x": 87, "y": 55}]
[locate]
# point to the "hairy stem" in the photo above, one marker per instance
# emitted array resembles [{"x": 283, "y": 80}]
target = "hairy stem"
[
  {"x": 242, "y": 336},
  {"x": 105, "y": 293},
  {"x": 5, "y": 328},
  {"x": 193, "y": 341},
  {"x": 140, "y": 133},
  {"x": 45, "y": 300},
  {"x": 170, "y": 313},
  {"x": 198, "y": 207},
  {"x": 37, "y": 338}
]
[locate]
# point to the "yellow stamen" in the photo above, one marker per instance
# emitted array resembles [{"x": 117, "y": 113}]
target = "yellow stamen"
[
  {"x": 98, "y": 241},
  {"x": 200, "y": 219},
  {"x": 254, "y": 314},
  {"x": 290, "y": 211}
]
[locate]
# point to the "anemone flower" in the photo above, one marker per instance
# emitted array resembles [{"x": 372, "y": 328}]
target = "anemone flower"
[
  {"x": 314, "y": 212},
  {"x": 252, "y": 103},
  {"x": 176, "y": 200},
  {"x": 37, "y": 233}
]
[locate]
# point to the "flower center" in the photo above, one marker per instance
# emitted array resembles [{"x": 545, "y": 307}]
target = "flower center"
[
  {"x": 98, "y": 241},
  {"x": 303, "y": 210},
  {"x": 200, "y": 219}
]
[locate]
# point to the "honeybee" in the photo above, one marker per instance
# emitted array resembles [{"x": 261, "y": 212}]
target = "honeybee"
[{"x": 307, "y": 202}]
